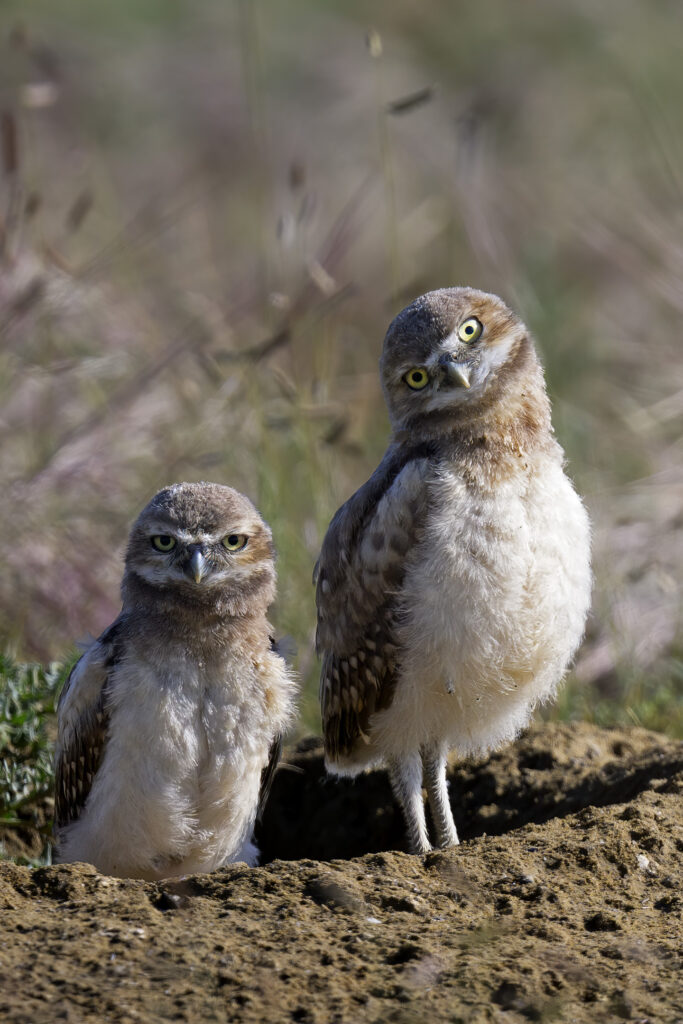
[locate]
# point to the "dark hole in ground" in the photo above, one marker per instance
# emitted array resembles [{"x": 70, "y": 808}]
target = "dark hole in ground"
[{"x": 550, "y": 772}]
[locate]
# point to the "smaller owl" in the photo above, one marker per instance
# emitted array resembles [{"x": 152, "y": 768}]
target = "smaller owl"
[
  {"x": 170, "y": 724},
  {"x": 453, "y": 586}
]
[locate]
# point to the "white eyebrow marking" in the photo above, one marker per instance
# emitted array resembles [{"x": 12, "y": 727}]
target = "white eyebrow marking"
[
  {"x": 450, "y": 340},
  {"x": 198, "y": 538}
]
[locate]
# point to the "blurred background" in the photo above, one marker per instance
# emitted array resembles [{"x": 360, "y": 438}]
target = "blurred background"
[{"x": 211, "y": 209}]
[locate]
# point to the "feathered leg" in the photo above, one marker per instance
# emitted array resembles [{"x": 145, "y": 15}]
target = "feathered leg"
[
  {"x": 406, "y": 782},
  {"x": 434, "y": 760}
]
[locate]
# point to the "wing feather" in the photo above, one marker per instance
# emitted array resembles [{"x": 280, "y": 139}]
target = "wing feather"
[
  {"x": 275, "y": 752},
  {"x": 359, "y": 578},
  {"x": 268, "y": 774},
  {"x": 83, "y": 719}
]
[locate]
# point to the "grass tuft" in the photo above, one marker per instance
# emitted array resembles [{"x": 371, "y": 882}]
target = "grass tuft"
[{"x": 28, "y": 696}]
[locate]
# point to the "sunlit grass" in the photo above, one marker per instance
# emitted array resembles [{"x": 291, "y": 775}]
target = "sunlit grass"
[{"x": 649, "y": 699}]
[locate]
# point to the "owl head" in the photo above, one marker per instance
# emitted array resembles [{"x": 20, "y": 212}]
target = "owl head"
[
  {"x": 455, "y": 352},
  {"x": 202, "y": 544}
]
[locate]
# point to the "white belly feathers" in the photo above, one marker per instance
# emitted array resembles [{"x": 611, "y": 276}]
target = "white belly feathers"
[
  {"x": 180, "y": 773},
  {"x": 498, "y": 592}
]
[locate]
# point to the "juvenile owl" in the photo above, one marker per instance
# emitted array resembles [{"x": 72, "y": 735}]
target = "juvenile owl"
[
  {"x": 170, "y": 725},
  {"x": 453, "y": 587}
]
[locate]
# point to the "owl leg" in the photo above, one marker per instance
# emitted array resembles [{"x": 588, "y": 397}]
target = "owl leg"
[
  {"x": 434, "y": 761},
  {"x": 405, "y": 776}
]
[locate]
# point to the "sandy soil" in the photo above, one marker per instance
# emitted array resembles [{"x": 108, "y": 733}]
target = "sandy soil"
[{"x": 562, "y": 904}]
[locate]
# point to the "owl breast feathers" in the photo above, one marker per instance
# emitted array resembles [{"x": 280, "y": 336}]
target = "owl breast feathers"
[{"x": 453, "y": 586}]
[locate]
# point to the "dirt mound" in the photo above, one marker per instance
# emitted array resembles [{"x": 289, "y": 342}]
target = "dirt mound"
[{"x": 563, "y": 903}]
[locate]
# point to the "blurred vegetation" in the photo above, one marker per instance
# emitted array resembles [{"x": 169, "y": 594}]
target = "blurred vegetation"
[
  {"x": 27, "y": 703},
  {"x": 210, "y": 211},
  {"x": 27, "y": 699}
]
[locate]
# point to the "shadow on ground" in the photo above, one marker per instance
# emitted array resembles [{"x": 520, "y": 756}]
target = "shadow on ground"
[{"x": 550, "y": 772}]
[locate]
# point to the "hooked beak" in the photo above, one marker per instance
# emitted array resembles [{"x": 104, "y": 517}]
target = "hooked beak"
[
  {"x": 457, "y": 373},
  {"x": 197, "y": 565}
]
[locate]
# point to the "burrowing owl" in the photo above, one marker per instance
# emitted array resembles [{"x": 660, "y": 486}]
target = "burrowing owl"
[
  {"x": 453, "y": 587},
  {"x": 170, "y": 723}
]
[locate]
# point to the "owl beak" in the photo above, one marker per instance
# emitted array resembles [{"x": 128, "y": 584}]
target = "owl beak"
[
  {"x": 197, "y": 565},
  {"x": 456, "y": 373}
]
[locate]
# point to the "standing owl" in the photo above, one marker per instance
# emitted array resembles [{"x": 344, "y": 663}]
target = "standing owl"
[
  {"x": 453, "y": 587},
  {"x": 170, "y": 725}
]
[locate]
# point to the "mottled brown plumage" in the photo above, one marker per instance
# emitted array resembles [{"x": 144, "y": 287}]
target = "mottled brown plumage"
[
  {"x": 78, "y": 763},
  {"x": 357, "y": 601},
  {"x": 80, "y": 753}
]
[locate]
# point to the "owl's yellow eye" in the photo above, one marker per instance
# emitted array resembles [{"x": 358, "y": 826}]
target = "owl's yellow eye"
[
  {"x": 162, "y": 542},
  {"x": 417, "y": 378},
  {"x": 235, "y": 541},
  {"x": 470, "y": 329}
]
